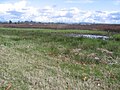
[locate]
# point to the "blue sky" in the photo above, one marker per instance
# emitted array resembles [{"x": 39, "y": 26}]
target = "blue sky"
[
  {"x": 81, "y": 4},
  {"x": 70, "y": 11}
]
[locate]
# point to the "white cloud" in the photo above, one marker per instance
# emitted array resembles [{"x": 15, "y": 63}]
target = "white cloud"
[
  {"x": 13, "y": 6},
  {"x": 20, "y": 11},
  {"x": 79, "y": 1}
]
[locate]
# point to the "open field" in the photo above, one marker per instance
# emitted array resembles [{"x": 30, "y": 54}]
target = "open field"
[{"x": 45, "y": 59}]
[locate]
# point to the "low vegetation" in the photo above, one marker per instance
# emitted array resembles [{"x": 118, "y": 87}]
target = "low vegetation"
[
  {"x": 63, "y": 26},
  {"x": 40, "y": 59}
]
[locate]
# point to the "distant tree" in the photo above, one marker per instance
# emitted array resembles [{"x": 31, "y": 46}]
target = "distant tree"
[
  {"x": 26, "y": 22},
  {"x": 10, "y": 22},
  {"x": 18, "y": 22}
]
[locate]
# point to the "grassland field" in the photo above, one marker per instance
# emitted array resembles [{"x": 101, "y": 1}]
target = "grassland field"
[{"x": 45, "y": 59}]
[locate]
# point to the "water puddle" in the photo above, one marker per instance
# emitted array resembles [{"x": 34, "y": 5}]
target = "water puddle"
[{"x": 88, "y": 36}]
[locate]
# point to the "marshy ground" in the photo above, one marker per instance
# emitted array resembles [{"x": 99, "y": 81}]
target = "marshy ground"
[{"x": 37, "y": 59}]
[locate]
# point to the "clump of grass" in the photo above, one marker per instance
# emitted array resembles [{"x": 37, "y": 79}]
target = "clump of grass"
[{"x": 116, "y": 37}]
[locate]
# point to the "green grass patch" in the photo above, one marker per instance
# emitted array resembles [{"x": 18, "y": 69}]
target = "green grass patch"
[{"x": 47, "y": 59}]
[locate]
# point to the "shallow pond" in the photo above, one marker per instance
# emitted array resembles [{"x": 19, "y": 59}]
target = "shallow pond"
[{"x": 88, "y": 36}]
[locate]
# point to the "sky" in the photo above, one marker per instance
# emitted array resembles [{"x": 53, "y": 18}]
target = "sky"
[{"x": 67, "y": 11}]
